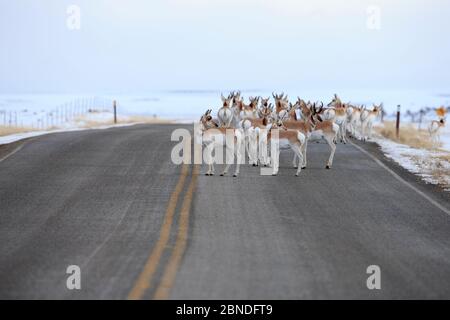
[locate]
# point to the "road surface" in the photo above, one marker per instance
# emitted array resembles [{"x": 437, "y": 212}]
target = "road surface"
[{"x": 139, "y": 227}]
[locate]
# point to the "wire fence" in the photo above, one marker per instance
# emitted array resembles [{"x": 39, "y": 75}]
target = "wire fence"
[{"x": 58, "y": 116}]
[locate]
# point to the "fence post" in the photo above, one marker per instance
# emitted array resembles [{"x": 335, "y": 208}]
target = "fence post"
[
  {"x": 397, "y": 124},
  {"x": 115, "y": 111}
]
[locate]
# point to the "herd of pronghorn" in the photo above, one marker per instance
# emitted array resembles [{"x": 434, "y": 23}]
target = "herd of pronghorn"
[{"x": 258, "y": 124}]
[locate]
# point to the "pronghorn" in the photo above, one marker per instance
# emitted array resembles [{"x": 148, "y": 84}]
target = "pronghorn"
[
  {"x": 279, "y": 133},
  {"x": 354, "y": 120},
  {"x": 340, "y": 116},
  {"x": 225, "y": 113},
  {"x": 241, "y": 113},
  {"x": 214, "y": 137},
  {"x": 367, "y": 118},
  {"x": 256, "y": 131},
  {"x": 314, "y": 127},
  {"x": 434, "y": 128}
]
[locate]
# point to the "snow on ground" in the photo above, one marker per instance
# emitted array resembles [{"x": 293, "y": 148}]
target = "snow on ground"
[
  {"x": 92, "y": 120},
  {"x": 19, "y": 136},
  {"x": 433, "y": 166}
]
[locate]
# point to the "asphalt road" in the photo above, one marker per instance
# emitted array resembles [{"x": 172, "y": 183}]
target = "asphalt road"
[{"x": 140, "y": 227}]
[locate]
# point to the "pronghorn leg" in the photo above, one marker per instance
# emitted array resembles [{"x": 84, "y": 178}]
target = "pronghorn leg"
[
  {"x": 254, "y": 148},
  {"x": 275, "y": 159},
  {"x": 228, "y": 161},
  {"x": 238, "y": 152},
  {"x": 370, "y": 130},
  {"x": 208, "y": 159},
  {"x": 262, "y": 149},
  {"x": 344, "y": 132},
  {"x": 211, "y": 170},
  {"x": 294, "y": 162},
  {"x": 249, "y": 143},
  {"x": 297, "y": 148},
  {"x": 304, "y": 147},
  {"x": 363, "y": 131},
  {"x": 332, "y": 145}
]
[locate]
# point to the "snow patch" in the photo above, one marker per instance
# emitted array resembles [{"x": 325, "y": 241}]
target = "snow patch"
[{"x": 432, "y": 166}]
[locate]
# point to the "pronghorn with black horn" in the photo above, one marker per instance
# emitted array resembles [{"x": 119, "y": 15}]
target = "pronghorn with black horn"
[
  {"x": 214, "y": 137},
  {"x": 314, "y": 128},
  {"x": 367, "y": 119}
]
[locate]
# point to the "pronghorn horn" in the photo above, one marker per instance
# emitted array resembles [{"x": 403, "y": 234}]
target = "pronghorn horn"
[{"x": 321, "y": 108}]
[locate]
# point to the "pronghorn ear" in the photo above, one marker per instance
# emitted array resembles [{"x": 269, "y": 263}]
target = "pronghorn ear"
[
  {"x": 222, "y": 97},
  {"x": 319, "y": 118}
]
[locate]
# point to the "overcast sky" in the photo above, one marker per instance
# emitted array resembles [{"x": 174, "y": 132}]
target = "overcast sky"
[{"x": 131, "y": 46}]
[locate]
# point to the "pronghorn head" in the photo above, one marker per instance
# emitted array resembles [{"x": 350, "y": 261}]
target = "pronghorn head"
[
  {"x": 281, "y": 102},
  {"x": 226, "y": 102},
  {"x": 278, "y": 124},
  {"x": 336, "y": 102},
  {"x": 253, "y": 102},
  {"x": 236, "y": 98},
  {"x": 305, "y": 109},
  {"x": 207, "y": 121},
  {"x": 377, "y": 109},
  {"x": 265, "y": 111},
  {"x": 293, "y": 110},
  {"x": 316, "y": 114},
  {"x": 265, "y": 102}
]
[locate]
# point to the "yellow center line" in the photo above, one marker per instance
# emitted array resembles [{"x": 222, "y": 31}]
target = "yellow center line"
[
  {"x": 170, "y": 272},
  {"x": 145, "y": 278}
]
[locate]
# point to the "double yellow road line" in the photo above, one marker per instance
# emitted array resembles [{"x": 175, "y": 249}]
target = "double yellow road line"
[{"x": 145, "y": 279}]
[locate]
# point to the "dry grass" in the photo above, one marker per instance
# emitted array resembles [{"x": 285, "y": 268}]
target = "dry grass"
[
  {"x": 437, "y": 166},
  {"x": 6, "y": 130},
  {"x": 409, "y": 135},
  {"x": 86, "y": 122}
]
